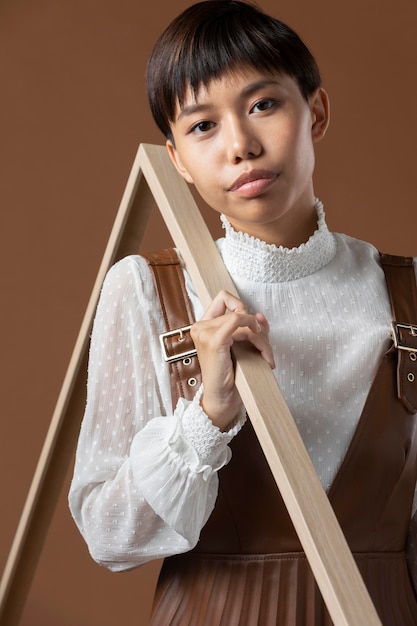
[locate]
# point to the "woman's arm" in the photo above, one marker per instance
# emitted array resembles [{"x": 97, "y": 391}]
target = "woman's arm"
[{"x": 145, "y": 477}]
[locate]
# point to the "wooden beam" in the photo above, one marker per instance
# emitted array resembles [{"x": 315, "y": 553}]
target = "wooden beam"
[{"x": 332, "y": 563}]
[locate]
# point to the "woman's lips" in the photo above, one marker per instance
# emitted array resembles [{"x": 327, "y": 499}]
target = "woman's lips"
[{"x": 251, "y": 184}]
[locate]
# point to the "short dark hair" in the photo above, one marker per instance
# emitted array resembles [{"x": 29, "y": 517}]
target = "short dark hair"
[{"x": 216, "y": 37}]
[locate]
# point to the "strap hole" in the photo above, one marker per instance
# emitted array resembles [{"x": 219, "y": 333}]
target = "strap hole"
[
  {"x": 410, "y": 377},
  {"x": 413, "y": 356},
  {"x": 192, "y": 382},
  {"x": 187, "y": 361}
]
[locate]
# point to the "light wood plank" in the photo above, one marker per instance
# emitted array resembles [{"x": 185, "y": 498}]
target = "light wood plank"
[{"x": 324, "y": 544}]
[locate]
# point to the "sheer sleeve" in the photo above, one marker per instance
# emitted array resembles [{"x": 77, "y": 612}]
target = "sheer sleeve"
[{"x": 145, "y": 476}]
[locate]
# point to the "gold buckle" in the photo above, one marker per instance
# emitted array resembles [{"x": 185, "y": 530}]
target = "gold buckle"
[
  {"x": 398, "y": 341},
  {"x": 169, "y": 358}
]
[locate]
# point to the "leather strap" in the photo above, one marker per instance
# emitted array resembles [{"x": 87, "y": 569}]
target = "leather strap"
[
  {"x": 401, "y": 282},
  {"x": 167, "y": 272}
]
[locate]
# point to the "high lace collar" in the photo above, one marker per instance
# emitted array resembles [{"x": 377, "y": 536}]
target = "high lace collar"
[{"x": 250, "y": 258}]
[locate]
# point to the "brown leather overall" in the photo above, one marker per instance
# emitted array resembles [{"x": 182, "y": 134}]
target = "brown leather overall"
[{"x": 248, "y": 567}]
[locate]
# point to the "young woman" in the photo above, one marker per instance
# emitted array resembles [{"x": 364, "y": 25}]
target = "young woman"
[{"x": 239, "y": 98}]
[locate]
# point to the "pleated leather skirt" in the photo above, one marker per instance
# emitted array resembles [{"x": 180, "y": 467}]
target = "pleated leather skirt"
[{"x": 271, "y": 590}]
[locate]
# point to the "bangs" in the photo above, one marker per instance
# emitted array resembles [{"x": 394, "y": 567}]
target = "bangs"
[
  {"x": 215, "y": 38},
  {"x": 218, "y": 51}
]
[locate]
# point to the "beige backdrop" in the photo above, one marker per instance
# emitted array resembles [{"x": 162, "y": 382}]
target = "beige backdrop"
[{"x": 72, "y": 113}]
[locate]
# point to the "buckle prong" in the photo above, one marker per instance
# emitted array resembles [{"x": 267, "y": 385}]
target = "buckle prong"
[
  {"x": 398, "y": 342},
  {"x": 169, "y": 358}
]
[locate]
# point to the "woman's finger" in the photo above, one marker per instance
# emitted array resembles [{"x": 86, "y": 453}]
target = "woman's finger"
[{"x": 224, "y": 301}]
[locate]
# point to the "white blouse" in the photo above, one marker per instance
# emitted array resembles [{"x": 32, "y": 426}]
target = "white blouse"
[{"x": 145, "y": 478}]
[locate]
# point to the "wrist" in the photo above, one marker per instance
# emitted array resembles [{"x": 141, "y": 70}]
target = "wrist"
[{"x": 221, "y": 416}]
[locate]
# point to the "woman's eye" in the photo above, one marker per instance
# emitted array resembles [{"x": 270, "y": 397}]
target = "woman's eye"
[
  {"x": 263, "y": 105},
  {"x": 202, "y": 127}
]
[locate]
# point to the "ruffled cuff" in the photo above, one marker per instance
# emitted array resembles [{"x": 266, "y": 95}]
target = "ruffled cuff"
[
  {"x": 209, "y": 442},
  {"x": 175, "y": 460},
  {"x": 178, "y": 487}
]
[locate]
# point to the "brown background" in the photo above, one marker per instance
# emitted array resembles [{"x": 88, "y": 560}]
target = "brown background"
[{"x": 72, "y": 113}]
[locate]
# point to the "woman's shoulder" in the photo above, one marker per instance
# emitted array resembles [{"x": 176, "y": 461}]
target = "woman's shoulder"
[
  {"x": 129, "y": 276},
  {"x": 359, "y": 247},
  {"x": 128, "y": 268},
  {"x": 351, "y": 251},
  {"x": 357, "y": 254}
]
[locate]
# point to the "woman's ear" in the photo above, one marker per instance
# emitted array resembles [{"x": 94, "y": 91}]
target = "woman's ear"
[
  {"x": 320, "y": 113},
  {"x": 175, "y": 158}
]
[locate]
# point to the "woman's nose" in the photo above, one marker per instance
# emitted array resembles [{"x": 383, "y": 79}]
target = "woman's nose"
[{"x": 242, "y": 143}]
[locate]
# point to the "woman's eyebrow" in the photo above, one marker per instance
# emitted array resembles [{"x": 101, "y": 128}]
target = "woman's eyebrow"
[
  {"x": 192, "y": 109},
  {"x": 260, "y": 84}
]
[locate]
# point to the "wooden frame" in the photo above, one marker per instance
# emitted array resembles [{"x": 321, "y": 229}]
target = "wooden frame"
[{"x": 153, "y": 176}]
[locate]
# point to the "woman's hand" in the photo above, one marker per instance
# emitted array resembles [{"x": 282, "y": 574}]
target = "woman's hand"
[{"x": 226, "y": 321}]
